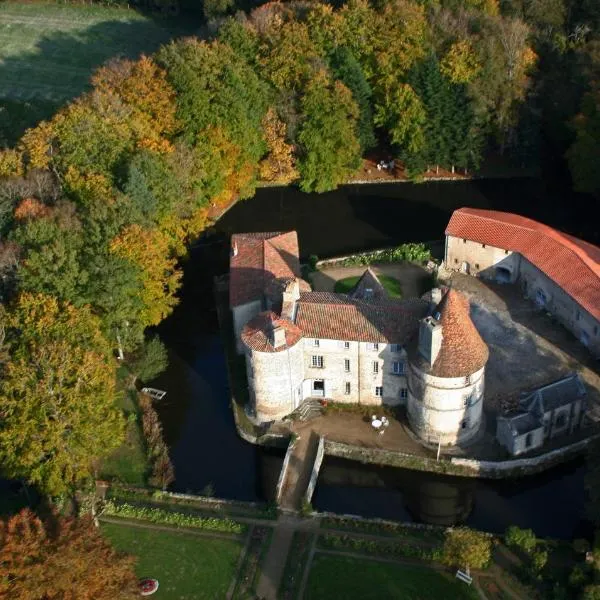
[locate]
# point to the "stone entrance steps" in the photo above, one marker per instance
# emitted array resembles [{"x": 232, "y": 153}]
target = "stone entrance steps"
[{"x": 309, "y": 409}]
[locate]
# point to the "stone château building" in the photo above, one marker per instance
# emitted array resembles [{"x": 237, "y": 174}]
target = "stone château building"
[
  {"x": 559, "y": 272},
  {"x": 362, "y": 347}
]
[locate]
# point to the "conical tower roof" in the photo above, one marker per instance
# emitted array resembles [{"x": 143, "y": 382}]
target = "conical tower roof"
[{"x": 462, "y": 351}]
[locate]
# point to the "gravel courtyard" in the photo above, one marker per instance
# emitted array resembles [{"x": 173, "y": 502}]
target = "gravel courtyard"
[{"x": 527, "y": 348}]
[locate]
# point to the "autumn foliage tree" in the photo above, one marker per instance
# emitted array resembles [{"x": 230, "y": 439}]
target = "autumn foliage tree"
[
  {"x": 278, "y": 164},
  {"x": 57, "y": 394},
  {"x": 466, "y": 548},
  {"x": 61, "y": 559}
]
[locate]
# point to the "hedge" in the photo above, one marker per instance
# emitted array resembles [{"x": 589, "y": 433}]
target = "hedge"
[{"x": 158, "y": 515}]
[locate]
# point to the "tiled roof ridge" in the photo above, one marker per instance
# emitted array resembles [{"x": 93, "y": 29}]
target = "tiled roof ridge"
[{"x": 570, "y": 242}]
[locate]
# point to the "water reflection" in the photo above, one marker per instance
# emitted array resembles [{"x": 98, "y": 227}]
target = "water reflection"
[{"x": 551, "y": 503}]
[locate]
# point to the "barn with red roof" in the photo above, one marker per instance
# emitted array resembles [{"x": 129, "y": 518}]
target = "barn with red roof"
[{"x": 557, "y": 271}]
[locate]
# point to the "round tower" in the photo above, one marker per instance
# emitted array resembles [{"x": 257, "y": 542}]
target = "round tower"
[
  {"x": 446, "y": 374},
  {"x": 274, "y": 365}
]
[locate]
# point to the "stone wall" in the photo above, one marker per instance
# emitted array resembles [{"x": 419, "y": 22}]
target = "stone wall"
[
  {"x": 315, "y": 470},
  {"x": 446, "y": 409},
  {"x": 284, "y": 468},
  {"x": 484, "y": 261},
  {"x": 359, "y": 372},
  {"x": 275, "y": 381},
  {"x": 476, "y": 258}
]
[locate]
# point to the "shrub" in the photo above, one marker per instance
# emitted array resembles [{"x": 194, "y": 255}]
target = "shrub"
[
  {"x": 539, "y": 560},
  {"x": 408, "y": 252},
  {"x": 521, "y": 538},
  {"x": 150, "y": 360},
  {"x": 465, "y": 547},
  {"x": 581, "y": 546},
  {"x": 579, "y": 576},
  {"x": 159, "y": 515},
  {"x": 591, "y": 592}
]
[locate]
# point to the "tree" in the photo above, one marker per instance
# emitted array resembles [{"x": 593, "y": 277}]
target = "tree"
[
  {"x": 149, "y": 250},
  {"x": 330, "y": 148},
  {"x": 216, "y": 88},
  {"x": 150, "y": 360},
  {"x": 278, "y": 165},
  {"x": 466, "y": 548},
  {"x": 348, "y": 70},
  {"x": 583, "y": 153},
  {"x": 460, "y": 64},
  {"x": 521, "y": 538},
  {"x": 217, "y": 8},
  {"x": 63, "y": 559},
  {"x": 57, "y": 394}
]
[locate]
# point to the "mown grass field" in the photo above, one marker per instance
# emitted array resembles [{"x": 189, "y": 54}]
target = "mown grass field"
[
  {"x": 364, "y": 579},
  {"x": 188, "y": 567},
  {"x": 48, "y": 52}
]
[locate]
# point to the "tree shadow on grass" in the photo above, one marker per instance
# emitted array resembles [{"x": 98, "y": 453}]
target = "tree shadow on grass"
[{"x": 58, "y": 68}]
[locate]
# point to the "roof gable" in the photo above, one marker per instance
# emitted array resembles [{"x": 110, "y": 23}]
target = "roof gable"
[
  {"x": 571, "y": 263},
  {"x": 257, "y": 259}
]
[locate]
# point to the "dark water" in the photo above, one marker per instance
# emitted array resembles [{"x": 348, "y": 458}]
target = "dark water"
[{"x": 208, "y": 455}]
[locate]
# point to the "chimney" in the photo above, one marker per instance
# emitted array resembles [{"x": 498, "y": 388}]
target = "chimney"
[
  {"x": 278, "y": 337},
  {"x": 290, "y": 295},
  {"x": 430, "y": 339}
]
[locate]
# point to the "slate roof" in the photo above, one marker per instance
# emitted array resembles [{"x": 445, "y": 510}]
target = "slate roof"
[
  {"x": 521, "y": 422},
  {"x": 462, "y": 352},
  {"x": 260, "y": 258},
  {"x": 368, "y": 287},
  {"x": 571, "y": 263},
  {"x": 256, "y": 334},
  {"x": 554, "y": 395},
  {"x": 327, "y": 315}
]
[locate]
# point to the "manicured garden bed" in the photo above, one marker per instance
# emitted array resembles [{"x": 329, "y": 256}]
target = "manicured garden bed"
[
  {"x": 294, "y": 566},
  {"x": 188, "y": 567},
  {"x": 260, "y": 539},
  {"x": 351, "y": 578},
  {"x": 391, "y": 285}
]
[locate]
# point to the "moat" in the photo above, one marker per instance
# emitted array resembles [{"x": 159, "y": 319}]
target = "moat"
[{"x": 208, "y": 455}]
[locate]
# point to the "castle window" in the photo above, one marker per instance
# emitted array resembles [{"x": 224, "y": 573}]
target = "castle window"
[
  {"x": 374, "y": 347},
  {"x": 456, "y": 261},
  {"x": 577, "y": 316},
  {"x": 347, "y": 388},
  {"x": 483, "y": 245},
  {"x": 317, "y": 362},
  {"x": 464, "y": 424},
  {"x": 403, "y": 393},
  {"x": 375, "y": 367},
  {"x": 347, "y": 365},
  {"x": 396, "y": 348},
  {"x": 379, "y": 391},
  {"x": 398, "y": 367},
  {"x": 506, "y": 252},
  {"x": 467, "y": 379},
  {"x": 528, "y": 440},
  {"x": 346, "y": 345},
  {"x": 316, "y": 343},
  {"x": 464, "y": 241},
  {"x": 477, "y": 265}
]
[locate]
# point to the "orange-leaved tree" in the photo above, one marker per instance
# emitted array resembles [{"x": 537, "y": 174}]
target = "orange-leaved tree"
[{"x": 61, "y": 559}]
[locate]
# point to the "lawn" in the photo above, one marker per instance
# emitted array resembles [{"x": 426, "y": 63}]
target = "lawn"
[
  {"x": 186, "y": 566},
  {"x": 391, "y": 285},
  {"x": 364, "y": 579},
  {"x": 48, "y": 52}
]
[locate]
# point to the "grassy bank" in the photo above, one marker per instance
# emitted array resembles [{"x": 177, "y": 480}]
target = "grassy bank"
[{"x": 186, "y": 566}]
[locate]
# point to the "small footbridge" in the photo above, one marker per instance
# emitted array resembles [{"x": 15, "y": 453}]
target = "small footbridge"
[{"x": 300, "y": 471}]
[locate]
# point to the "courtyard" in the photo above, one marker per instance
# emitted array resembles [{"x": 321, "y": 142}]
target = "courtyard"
[{"x": 527, "y": 349}]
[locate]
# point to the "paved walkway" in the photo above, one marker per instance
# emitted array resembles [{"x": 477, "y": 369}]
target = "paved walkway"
[{"x": 274, "y": 563}]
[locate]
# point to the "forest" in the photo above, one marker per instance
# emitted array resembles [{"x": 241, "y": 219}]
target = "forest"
[{"x": 99, "y": 203}]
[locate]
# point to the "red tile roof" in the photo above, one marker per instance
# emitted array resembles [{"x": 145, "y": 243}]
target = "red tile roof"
[
  {"x": 256, "y": 334},
  {"x": 571, "y": 263},
  {"x": 463, "y": 352},
  {"x": 260, "y": 257},
  {"x": 332, "y": 316}
]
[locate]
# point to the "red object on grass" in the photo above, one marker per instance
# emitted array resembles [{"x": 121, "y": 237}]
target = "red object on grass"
[{"x": 148, "y": 586}]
